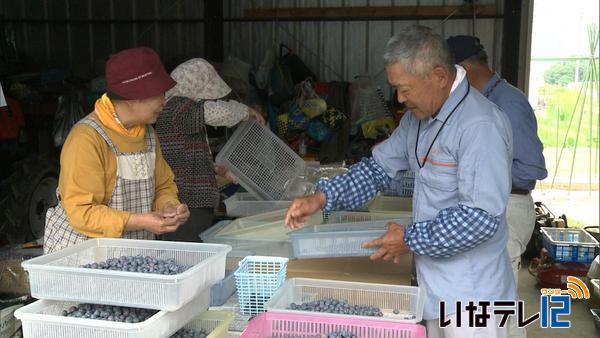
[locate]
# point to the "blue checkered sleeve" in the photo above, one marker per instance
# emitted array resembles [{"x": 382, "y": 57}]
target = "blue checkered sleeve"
[
  {"x": 454, "y": 230},
  {"x": 355, "y": 187}
]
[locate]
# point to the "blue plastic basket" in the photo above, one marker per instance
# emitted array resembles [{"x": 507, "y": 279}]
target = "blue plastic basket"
[
  {"x": 257, "y": 279},
  {"x": 569, "y": 245}
]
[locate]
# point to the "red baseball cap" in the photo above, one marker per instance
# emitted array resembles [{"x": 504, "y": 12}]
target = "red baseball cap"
[{"x": 137, "y": 73}]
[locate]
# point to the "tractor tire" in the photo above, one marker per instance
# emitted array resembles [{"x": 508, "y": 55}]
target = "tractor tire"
[{"x": 25, "y": 196}]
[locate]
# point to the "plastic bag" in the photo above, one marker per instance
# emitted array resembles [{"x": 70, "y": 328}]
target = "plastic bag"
[{"x": 68, "y": 113}]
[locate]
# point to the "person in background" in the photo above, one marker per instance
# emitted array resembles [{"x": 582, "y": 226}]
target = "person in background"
[
  {"x": 114, "y": 181},
  {"x": 459, "y": 146},
  {"x": 528, "y": 163},
  {"x": 196, "y": 101}
]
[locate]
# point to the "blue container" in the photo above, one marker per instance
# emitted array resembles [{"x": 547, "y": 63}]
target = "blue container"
[
  {"x": 221, "y": 291},
  {"x": 257, "y": 279},
  {"x": 570, "y": 245}
]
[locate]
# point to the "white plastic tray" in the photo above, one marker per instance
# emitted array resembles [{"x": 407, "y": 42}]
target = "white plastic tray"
[
  {"x": 43, "y": 319},
  {"x": 261, "y": 161},
  {"x": 58, "y": 276},
  {"x": 337, "y": 240},
  {"x": 408, "y": 300},
  {"x": 244, "y": 204}
]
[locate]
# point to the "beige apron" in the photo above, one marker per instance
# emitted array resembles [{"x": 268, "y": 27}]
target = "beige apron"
[{"x": 133, "y": 192}]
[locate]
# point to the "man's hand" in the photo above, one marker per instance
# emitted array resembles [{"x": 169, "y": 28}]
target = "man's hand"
[
  {"x": 302, "y": 207},
  {"x": 391, "y": 245}
]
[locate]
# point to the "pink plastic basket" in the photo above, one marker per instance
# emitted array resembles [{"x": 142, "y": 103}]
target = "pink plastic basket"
[{"x": 280, "y": 325}]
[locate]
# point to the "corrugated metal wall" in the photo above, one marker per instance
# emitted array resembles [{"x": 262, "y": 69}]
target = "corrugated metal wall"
[
  {"x": 340, "y": 50},
  {"x": 82, "y": 33},
  {"x": 78, "y": 33}
]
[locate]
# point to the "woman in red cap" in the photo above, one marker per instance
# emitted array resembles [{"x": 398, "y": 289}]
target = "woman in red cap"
[{"x": 114, "y": 181}]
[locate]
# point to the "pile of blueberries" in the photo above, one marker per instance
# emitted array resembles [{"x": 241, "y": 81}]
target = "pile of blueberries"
[
  {"x": 331, "y": 305},
  {"x": 139, "y": 263},
  {"x": 108, "y": 312},
  {"x": 189, "y": 333},
  {"x": 124, "y": 315}
]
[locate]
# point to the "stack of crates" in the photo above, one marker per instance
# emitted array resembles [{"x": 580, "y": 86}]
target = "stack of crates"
[{"x": 177, "y": 301}]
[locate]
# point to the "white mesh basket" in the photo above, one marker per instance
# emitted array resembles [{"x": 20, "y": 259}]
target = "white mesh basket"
[
  {"x": 43, "y": 319},
  {"x": 59, "y": 275},
  {"x": 261, "y": 162},
  {"x": 407, "y": 301}
]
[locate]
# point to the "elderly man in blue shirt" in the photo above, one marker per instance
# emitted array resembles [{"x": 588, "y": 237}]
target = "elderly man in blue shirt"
[
  {"x": 528, "y": 163},
  {"x": 460, "y": 147}
]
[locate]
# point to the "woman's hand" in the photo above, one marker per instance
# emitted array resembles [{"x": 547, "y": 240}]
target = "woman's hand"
[
  {"x": 256, "y": 115},
  {"x": 223, "y": 171}
]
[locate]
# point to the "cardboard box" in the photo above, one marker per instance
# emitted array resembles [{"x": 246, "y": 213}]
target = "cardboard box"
[
  {"x": 354, "y": 269},
  {"x": 13, "y": 279}
]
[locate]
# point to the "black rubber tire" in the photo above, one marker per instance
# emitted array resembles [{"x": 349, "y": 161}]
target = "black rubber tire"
[{"x": 25, "y": 196}]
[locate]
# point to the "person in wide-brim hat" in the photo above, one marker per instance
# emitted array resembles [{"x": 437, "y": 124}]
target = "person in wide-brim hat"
[
  {"x": 200, "y": 98},
  {"x": 114, "y": 181}
]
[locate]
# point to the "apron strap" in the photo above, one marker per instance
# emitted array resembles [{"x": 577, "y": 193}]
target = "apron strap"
[{"x": 94, "y": 124}]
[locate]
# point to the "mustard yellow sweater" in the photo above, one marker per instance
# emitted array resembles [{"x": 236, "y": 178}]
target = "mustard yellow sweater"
[{"x": 87, "y": 178}]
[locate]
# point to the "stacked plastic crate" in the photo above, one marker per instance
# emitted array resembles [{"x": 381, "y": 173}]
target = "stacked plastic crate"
[
  {"x": 264, "y": 165},
  {"x": 128, "y": 302},
  {"x": 317, "y": 308}
]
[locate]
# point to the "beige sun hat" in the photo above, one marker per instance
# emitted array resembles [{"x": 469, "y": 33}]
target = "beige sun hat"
[{"x": 198, "y": 80}]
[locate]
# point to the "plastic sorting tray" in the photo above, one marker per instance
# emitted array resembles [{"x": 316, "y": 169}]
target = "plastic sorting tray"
[
  {"x": 260, "y": 246},
  {"x": 43, "y": 319},
  {"x": 401, "y": 185},
  {"x": 339, "y": 239},
  {"x": 58, "y": 276},
  {"x": 569, "y": 245},
  {"x": 244, "y": 204},
  {"x": 360, "y": 216},
  {"x": 260, "y": 160},
  {"x": 283, "y": 325},
  {"x": 407, "y": 300},
  {"x": 389, "y": 204},
  {"x": 257, "y": 279},
  {"x": 215, "y": 323},
  {"x": 263, "y": 225}
]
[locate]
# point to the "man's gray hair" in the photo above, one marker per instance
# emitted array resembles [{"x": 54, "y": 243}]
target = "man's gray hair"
[{"x": 418, "y": 49}]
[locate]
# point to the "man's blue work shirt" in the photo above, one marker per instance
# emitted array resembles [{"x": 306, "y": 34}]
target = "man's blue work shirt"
[
  {"x": 528, "y": 158},
  {"x": 459, "y": 233}
]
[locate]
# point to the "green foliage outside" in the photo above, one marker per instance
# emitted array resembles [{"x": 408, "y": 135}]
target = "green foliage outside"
[
  {"x": 563, "y": 73},
  {"x": 555, "y": 109}
]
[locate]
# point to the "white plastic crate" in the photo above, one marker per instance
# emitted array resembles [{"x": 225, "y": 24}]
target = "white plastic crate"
[
  {"x": 401, "y": 185},
  {"x": 408, "y": 301},
  {"x": 387, "y": 204},
  {"x": 256, "y": 279},
  {"x": 215, "y": 323},
  {"x": 260, "y": 225},
  {"x": 245, "y": 204},
  {"x": 59, "y": 275},
  {"x": 337, "y": 240},
  {"x": 260, "y": 246},
  {"x": 360, "y": 216},
  {"x": 43, "y": 319},
  {"x": 261, "y": 162}
]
